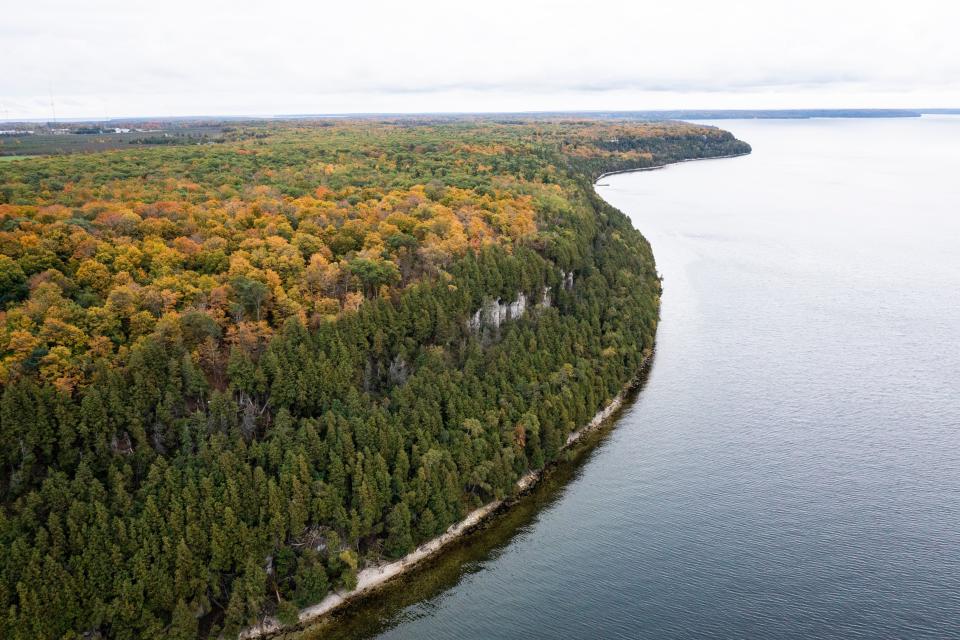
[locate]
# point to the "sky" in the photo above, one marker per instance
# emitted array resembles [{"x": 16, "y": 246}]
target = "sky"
[{"x": 106, "y": 58}]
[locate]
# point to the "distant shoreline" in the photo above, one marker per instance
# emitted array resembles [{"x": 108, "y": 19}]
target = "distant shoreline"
[
  {"x": 656, "y": 114},
  {"x": 666, "y": 164}
]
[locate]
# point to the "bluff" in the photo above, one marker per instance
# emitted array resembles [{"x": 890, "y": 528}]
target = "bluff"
[{"x": 233, "y": 374}]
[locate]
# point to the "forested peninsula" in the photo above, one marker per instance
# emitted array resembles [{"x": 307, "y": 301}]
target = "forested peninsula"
[{"x": 234, "y": 374}]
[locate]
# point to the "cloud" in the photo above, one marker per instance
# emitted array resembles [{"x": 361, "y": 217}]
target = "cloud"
[{"x": 189, "y": 57}]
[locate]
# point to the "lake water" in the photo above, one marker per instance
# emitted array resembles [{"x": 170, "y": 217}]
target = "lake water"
[{"x": 791, "y": 468}]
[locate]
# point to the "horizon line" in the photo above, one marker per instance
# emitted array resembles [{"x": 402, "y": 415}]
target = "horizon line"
[{"x": 400, "y": 114}]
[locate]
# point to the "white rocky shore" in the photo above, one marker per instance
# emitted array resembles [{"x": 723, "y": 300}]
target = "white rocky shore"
[{"x": 374, "y": 577}]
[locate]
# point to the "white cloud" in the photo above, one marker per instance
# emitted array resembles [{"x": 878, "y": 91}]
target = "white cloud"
[{"x": 112, "y": 58}]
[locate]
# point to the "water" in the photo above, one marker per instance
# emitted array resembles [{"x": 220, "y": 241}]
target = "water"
[{"x": 792, "y": 467}]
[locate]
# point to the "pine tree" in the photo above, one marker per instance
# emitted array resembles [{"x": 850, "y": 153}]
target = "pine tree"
[
  {"x": 399, "y": 538},
  {"x": 184, "y": 625}
]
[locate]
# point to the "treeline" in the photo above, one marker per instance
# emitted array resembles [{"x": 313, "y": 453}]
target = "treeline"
[
  {"x": 193, "y": 438},
  {"x": 625, "y": 151}
]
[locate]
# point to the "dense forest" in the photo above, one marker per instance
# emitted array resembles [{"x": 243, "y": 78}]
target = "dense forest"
[{"x": 232, "y": 374}]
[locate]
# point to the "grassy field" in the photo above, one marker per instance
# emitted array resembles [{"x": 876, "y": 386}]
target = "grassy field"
[{"x": 10, "y": 158}]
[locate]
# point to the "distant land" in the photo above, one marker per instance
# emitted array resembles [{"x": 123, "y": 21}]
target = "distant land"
[
  {"x": 24, "y": 138},
  {"x": 725, "y": 114},
  {"x": 677, "y": 114},
  {"x": 668, "y": 114}
]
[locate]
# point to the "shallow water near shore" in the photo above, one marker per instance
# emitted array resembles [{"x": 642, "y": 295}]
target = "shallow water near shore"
[{"x": 791, "y": 468}]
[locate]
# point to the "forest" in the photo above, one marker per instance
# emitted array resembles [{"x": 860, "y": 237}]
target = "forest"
[{"x": 234, "y": 374}]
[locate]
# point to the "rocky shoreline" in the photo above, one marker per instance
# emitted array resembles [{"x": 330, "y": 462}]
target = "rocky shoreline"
[{"x": 374, "y": 577}]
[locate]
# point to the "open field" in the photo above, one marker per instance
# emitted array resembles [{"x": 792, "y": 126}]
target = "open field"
[{"x": 63, "y": 143}]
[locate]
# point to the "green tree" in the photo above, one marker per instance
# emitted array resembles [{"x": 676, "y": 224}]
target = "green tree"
[
  {"x": 311, "y": 580},
  {"x": 12, "y": 281},
  {"x": 399, "y": 539},
  {"x": 184, "y": 625}
]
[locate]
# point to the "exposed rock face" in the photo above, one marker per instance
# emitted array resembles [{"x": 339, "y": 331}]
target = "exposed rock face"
[
  {"x": 399, "y": 371},
  {"x": 495, "y": 312},
  {"x": 518, "y": 307}
]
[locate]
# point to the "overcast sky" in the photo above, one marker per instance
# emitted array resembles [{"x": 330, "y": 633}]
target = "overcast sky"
[{"x": 130, "y": 58}]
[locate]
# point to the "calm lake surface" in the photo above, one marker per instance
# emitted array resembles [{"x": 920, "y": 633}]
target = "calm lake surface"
[{"x": 791, "y": 468}]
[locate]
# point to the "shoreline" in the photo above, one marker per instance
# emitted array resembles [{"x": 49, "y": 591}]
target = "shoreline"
[
  {"x": 667, "y": 164},
  {"x": 374, "y": 577}
]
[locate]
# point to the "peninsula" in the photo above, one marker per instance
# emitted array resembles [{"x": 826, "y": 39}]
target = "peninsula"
[{"x": 240, "y": 372}]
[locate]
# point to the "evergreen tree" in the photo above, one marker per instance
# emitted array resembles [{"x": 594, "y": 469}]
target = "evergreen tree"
[{"x": 399, "y": 538}]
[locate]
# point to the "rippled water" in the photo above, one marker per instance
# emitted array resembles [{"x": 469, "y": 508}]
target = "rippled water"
[{"x": 790, "y": 469}]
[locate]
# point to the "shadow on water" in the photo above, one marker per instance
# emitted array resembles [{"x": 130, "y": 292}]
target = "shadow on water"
[{"x": 381, "y": 610}]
